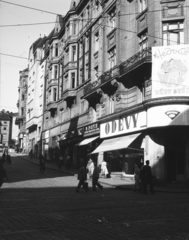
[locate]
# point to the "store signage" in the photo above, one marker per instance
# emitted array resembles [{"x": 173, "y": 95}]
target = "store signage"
[
  {"x": 168, "y": 115},
  {"x": 91, "y": 128},
  {"x": 170, "y": 71},
  {"x": 125, "y": 124}
]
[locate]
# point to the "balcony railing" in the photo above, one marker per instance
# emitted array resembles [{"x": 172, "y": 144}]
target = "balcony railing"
[
  {"x": 105, "y": 77},
  {"x": 70, "y": 65},
  {"x": 136, "y": 60}
]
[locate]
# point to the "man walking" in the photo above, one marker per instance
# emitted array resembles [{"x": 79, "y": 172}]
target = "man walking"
[
  {"x": 95, "y": 177},
  {"x": 146, "y": 177},
  {"x": 82, "y": 177}
]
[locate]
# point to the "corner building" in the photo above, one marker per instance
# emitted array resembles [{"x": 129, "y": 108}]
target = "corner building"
[{"x": 117, "y": 86}]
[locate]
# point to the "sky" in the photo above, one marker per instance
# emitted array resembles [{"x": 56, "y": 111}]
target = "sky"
[{"x": 16, "y": 40}]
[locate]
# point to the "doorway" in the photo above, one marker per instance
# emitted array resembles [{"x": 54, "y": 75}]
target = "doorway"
[{"x": 175, "y": 156}]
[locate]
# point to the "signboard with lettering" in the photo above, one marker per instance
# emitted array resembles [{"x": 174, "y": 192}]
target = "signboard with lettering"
[
  {"x": 125, "y": 124},
  {"x": 170, "y": 71},
  {"x": 91, "y": 128}
]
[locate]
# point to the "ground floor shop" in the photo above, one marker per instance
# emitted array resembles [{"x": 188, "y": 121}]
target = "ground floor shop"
[{"x": 158, "y": 135}]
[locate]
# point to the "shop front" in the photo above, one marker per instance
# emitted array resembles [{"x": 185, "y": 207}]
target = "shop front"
[
  {"x": 90, "y": 141},
  {"x": 169, "y": 126},
  {"x": 123, "y": 142},
  {"x": 45, "y": 144}
]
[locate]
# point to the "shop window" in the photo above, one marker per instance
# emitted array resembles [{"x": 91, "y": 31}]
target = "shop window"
[
  {"x": 143, "y": 41},
  {"x": 173, "y": 33},
  {"x": 112, "y": 57}
]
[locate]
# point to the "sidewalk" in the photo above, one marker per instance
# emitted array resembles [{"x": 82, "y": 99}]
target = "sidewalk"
[{"x": 126, "y": 184}]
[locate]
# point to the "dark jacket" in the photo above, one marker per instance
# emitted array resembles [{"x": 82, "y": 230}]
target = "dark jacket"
[{"x": 82, "y": 174}]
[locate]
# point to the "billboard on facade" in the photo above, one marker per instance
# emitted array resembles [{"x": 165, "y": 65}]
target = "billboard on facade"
[{"x": 170, "y": 71}]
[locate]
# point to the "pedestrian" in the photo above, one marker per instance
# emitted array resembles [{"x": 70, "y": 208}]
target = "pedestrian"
[
  {"x": 104, "y": 170},
  {"x": 136, "y": 177},
  {"x": 95, "y": 177},
  {"x": 68, "y": 163},
  {"x": 90, "y": 168},
  {"x": 146, "y": 178},
  {"x": 61, "y": 161},
  {"x": 42, "y": 164},
  {"x": 31, "y": 154},
  {"x": 82, "y": 177},
  {"x": 3, "y": 173}
]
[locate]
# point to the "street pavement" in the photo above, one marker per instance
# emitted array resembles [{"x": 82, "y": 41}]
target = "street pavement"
[{"x": 46, "y": 206}]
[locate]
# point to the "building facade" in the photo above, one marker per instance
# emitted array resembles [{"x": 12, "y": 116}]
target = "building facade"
[
  {"x": 35, "y": 89},
  {"x": 21, "y": 104},
  {"x": 116, "y": 86},
  {"x": 8, "y": 129}
]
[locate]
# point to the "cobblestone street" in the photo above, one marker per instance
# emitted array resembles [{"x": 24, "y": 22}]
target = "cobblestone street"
[{"x": 47, "y": 207}]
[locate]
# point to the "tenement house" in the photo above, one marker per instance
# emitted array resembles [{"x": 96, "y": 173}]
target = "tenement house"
[
  {"x": 35, "y": 91},
  {"x": 116, "y": 86},
  {"x": 21, "y": 104}
]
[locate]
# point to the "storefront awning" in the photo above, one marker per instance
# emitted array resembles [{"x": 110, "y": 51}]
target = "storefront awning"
[
  {"x": 86, "y": 141},
  {"x": 115, "y": 143}
]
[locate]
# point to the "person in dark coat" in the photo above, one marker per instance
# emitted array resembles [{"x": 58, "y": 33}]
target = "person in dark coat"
[
  {"x": 95, "y": 177},
  {"x": 82, "y": 177},
  {"x": 146, "y": 177},
  {"x": 42, "y": 164},
  {"x": 3, "y": 173}
]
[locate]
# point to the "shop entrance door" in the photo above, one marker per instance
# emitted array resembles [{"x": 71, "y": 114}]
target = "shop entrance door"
[{"x": 175, "y": 163}]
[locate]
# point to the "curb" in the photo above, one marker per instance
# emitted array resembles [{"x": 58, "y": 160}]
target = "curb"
[{"x": 57, "y": 170}]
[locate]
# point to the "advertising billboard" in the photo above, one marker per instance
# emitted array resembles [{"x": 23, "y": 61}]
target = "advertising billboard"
[{"x": 170, "y": 71}]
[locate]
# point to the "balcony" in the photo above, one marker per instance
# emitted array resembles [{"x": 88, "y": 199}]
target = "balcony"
[
  {"x": 103, "y": 82},
  {"x": 52, "y": 82},
  {"x": 136, "y": 61},
  {"x": 69, "y": 94},
  {"x": 70, "y": 66},
  {"x": 32, "y": 123},
  {"x": 51, "y": 105},
  {"x": 19, "y": 120}
]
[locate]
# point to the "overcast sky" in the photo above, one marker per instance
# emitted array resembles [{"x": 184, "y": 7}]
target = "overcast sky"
[{"x": 17, "y": 40}]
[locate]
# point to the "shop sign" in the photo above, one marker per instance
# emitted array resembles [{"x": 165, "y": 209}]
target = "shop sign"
[
  {"x": 125, "y": 124},
  {"x": 91, "y": 128},
  {"x": 170, "y": 71},
  {"x": 55, "y": 131},
  {"x": 168, "y": 115},
  {"x": 45, "y": 135}
]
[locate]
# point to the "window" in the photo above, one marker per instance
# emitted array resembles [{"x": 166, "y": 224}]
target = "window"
[
  {"x": 173, "y": 33},
  {"x": 22, "y": 111},
  {"x": 73, "y": 53},
  {"x": 96, "y": 41},
  {"x": 112, "y": 58},
  {"x": 73, "y": 82},
  {"x": 86, "y": 44},
  {"x": 112, "y": 19},
  {"x": 142, "y": 5},
  {"x": 56, "y": 50},
  {"x": 96, "y": 4},
  {"x": 55, "y": 72},
  {"x": 143, "y": 41},
  {"x": 4, "y": 128},
  {"x": 54, "y": 94},
  {"x": 22, "y": 97},
  {"x": 74, "y": 28},
  {"x": 66, "y": 82},
  {"x": 96, "y": 72}
]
